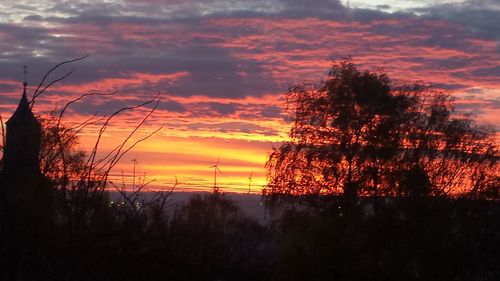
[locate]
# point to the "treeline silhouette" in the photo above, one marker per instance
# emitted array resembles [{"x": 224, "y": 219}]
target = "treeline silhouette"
[
  {"x": 209, "y": 238},
  {"x": 377, "y": 183}
]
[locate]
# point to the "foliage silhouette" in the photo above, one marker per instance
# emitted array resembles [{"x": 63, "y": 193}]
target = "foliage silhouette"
[
  {"x": 214, "y": 240},
  {"x": 436, "y": 238},
  {"x": 357, "y": 133}
]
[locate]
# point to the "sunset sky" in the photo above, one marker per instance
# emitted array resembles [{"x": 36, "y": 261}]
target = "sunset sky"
[{"x": 222, "y": 68}]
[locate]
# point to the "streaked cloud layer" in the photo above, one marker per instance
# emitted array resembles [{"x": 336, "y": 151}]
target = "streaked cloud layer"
[{"x": 223, "y": 66}]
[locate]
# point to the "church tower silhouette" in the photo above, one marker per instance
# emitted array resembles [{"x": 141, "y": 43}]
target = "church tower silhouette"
[
  {"x": 25, "y": 197},
  {"x": 23, "y": 139}
]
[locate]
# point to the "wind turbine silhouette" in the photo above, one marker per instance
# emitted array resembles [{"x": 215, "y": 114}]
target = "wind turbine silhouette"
[
  {"x": 250, "y": 181},
  {"x": 216, "y": 169}
]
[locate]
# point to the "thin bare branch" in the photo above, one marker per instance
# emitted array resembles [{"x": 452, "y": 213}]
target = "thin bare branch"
[
  {"x": 91, "y": 161},
  {"x": 78, "y": 99},
  {"x": 38, "y": 92},
  {"x": 32, "y": 102}
]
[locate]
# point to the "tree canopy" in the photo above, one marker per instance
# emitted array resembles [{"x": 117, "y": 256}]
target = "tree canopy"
[{"x": 359, "y": 133}]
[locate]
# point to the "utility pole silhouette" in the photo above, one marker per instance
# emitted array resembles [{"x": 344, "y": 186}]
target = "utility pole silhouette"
[
  {"x": 250, "y": 181},
  {"x": 216, "y": 169}
]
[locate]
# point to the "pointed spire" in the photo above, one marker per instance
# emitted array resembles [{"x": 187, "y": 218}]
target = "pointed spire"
[
  {"x": 25, "y": 70},
  {"x": 23, "y": 111}
]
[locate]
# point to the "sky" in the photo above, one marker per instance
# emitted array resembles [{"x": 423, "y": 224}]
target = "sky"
[{"x": 222, "y": 69}]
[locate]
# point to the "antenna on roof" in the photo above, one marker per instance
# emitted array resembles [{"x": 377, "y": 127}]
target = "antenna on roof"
[{"x": 25, "y": 71}]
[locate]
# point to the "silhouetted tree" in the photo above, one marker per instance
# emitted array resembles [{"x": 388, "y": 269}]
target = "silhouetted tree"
[
  {"x": 359, "y": 133},
  {"x": 213, "y": 240}
]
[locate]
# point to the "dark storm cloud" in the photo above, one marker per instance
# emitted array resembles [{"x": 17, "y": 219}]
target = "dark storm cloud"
[
  {"x": 15, "y": 39},
  {"x": 492, "y": 71},
  {"x": 449, "y": 86},
  {"x": 172, "y": 106},
  {"x": 161, "y": 37},
  {"x": 100, "y": 107},
  {"x": 450, "y": 63},
  {"x": 232, "y": 127},
  {"x": 476, "y": 107},
  {"x": 214, "y": 73},
  {"x": 29, "y": 45},
  {"x": 223, "y": 108},
  {"x": 304, "y": 8},
  {"x": 6, "y": 101},
  {"x": 260, "y": 112},
  {"x": 480, "y": 17},
  {"x": 9, "y": 87},
  {"x": 270, "y": 112},
  {"x": 221, "y": 8}
]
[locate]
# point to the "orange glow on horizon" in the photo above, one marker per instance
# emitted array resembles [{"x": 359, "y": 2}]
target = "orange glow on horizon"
[{"x": 203, "y": 124}]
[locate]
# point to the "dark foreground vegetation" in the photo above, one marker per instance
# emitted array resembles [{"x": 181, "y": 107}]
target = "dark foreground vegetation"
[
  {"x": 378, "y": 182},
  {"x": 208, "y": 238},
  {"x": 392, "y": 239}
]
